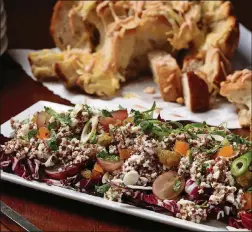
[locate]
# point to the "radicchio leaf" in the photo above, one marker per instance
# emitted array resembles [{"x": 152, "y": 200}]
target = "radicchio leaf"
[
  {"x": 191, "y": 188},
  {"x": 153, "y": 202},
  {"x": 246, "y": 219},
  {"x": 88, "y": 185}
]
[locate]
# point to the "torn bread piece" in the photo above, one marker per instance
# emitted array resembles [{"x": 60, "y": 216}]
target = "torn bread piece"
[
  {"x": 216, "y": 66},
  {"x": 238, "y": 89},
  {"x": 67, "y": 27},
  {"x": 43, "y": 64},
  {"x": 195, "y": 91},
  {"x": 167, "y": 74}
]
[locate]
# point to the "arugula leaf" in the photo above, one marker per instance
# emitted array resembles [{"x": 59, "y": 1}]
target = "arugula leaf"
[
  {"x": 108, "y": 157},
  {"x": 52, "y": 143},
  {"x": 145, "y": 115},
  {"x": 192, "y": 125},
  {"x": 238, "y": 139},
  {"x": 146, "y": 126},
  {"x": 106, "y": 113},
  {"x": 212, "y": 150},
  {"x": 177, "y": 185},
  {"x": 63, "y": 119},
  {"x": 52, "y": 125},
  {"x": 100, "y": 190},
  {"x": 177, "y": 124},
  {"x": 32, "y": 133},
  {"x": 250, "y": 189},
  {"x": 204, "y": 167},
  {"x": 194, "y": 136},
  {"x": 152, "y": 109},
  {"x": 190, "y": 155},
  {"x": 198, "y": 181}
]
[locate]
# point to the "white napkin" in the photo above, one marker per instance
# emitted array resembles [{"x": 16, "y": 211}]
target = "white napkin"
[{"x": 132, "y": 95}]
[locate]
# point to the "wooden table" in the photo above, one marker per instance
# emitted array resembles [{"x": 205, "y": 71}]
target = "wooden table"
[{"x": 28, "y": 22}]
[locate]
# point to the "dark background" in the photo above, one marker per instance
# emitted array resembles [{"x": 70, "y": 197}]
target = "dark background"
[{"x": 28, "y": 21}]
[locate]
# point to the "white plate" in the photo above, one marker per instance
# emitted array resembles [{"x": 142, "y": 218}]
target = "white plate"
[{"x": 82, "y": 197}]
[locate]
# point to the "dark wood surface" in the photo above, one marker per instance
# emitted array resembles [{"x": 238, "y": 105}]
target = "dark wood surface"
[{"x": 28, "y": 23}]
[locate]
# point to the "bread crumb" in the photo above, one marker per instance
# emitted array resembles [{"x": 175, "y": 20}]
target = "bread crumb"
[
  {"x": 149, "y": 90},
  {"x": 129, "y": 95},
  {"x": 180, "y": 100}
]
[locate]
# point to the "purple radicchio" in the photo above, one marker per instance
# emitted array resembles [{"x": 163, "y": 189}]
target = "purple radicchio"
[{"x": 150, "y": 201}]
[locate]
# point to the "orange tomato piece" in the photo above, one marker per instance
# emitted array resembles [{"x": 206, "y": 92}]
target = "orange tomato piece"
[
  {"x": 181, "y": 147},
  {"x": 95, "y": 174},
  {"x": 226, "y": 151},
  {"x": 43, "y": 133},
  {"x": 124, "y": 154},
  {"x": 98, "y": 168},
  {"x": 248, "y": 198}
]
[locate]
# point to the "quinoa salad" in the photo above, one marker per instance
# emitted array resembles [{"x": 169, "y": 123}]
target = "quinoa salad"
[{"x": 193, "y": 172}]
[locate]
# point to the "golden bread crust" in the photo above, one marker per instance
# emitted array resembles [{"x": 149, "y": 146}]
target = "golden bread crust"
[
  {"x": 167, "y": 74},
  {"x": 238, "y": 89}
]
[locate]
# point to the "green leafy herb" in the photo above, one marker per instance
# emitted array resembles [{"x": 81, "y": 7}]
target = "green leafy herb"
[
  {"x": 152, "y": 109},
  {"x": 238, "y": 139},
  {"x": 52, "y": 143},
  {"x": 250, "y": 189},
  {"x": 52, "y": 125},
  {"x": 145, "y": 115},
  {"x": 32, "y": 133},
  {"x": 100, "y": 190},
  {"x": 108, "y": 157},
  {"x": 198, "y": 181},
  {"x": 192, "y": 125},
  {"x": 106, "y": 113},
  {"x": 190, "y": 156},
  {"x": 62, "y": 118},
  {"x": 213, "y": 150},
  {"x": 177, "y": 185},
  {"x": 146, "y": 126},
  {"x": 194, "y": 136},
  {"x": 177, "y": 124},
  {"x": 205, "y": 166}
]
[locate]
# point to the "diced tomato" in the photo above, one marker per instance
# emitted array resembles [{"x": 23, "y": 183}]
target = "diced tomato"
[
  {"x": 181, "y": 147},
  {"x": 226, "y": 151},
  {"x": 43, "y": 133},
  {"x": 98, "y": 168},
  {"x": 116, "y": 120},
  {"x": 120, "y": 114},
  {"x": 105, "y": 122}
]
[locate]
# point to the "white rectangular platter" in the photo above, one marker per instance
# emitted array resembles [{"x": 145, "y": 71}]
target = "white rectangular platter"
[{"x": 83, "y": 197}]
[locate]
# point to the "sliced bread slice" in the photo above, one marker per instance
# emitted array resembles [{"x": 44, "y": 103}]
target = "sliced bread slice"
[
  {"x": 195, "y": 90},
  {"x": 167, "y": 74}
]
